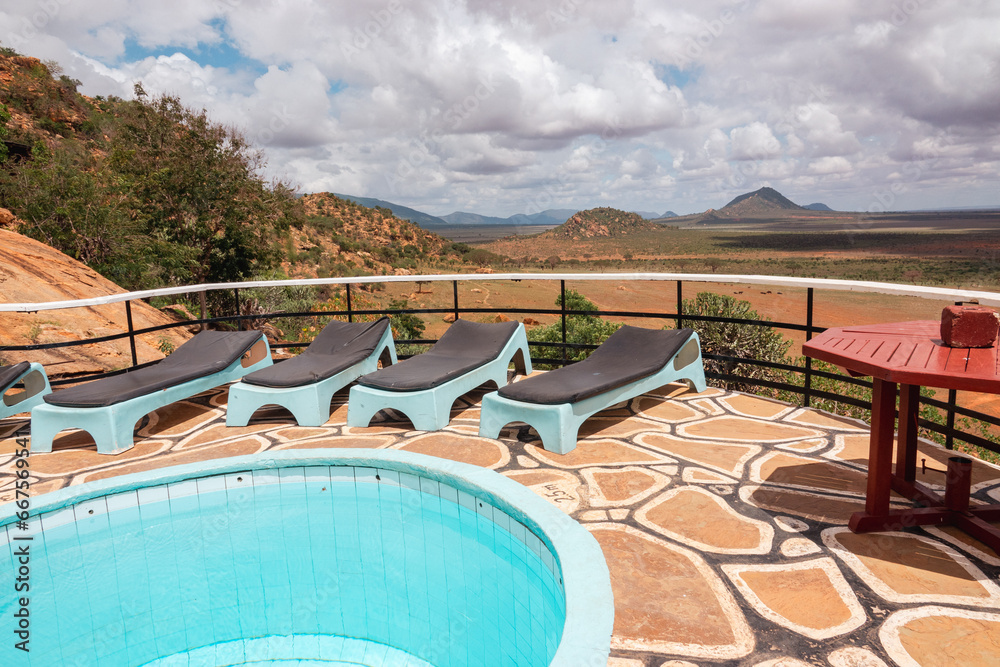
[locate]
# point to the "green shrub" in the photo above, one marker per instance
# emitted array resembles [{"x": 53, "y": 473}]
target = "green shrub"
[
  {"x": 405, "y": 326},
  {"x": 742, "y": 340},
  {"x": 580, "y": 330}
]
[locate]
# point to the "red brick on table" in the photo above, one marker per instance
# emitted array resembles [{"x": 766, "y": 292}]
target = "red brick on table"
[{"x": 969, "y": 326}]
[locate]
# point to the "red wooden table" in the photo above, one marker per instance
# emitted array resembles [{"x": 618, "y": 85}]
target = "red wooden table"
[{"x": 911, "y": 355}]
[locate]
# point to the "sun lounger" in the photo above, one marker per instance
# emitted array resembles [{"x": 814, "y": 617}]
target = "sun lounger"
[
  {"x": 109, "y": 408},
  {"x": 305, "y": 385},
  {"x": 29, "y": 375},
  {"x": 629, "y": 363},
  {"x": 425, "y": 387}
]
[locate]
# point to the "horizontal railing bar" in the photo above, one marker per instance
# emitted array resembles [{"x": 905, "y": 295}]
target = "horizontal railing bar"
[
  {"x": 937, "y": 293},
  {"x": 956, "y": 434},
  {"x": 947, "y": 294}
]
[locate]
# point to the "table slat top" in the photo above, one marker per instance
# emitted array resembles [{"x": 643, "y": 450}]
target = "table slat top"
[{"x": 908, "y": 353}]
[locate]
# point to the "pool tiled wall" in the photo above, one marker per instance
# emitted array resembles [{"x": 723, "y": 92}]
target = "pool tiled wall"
[{"x": 289, "y": 556}]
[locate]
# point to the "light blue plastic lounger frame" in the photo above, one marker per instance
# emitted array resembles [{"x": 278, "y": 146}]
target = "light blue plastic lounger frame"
[
  {"x": 36, "y": 386},
  {"x": 430, "y": 409},
  {"x": 558, "y": 425},
  {"x": 309, "y": 404},
  {"x": 111, "y": 426}
]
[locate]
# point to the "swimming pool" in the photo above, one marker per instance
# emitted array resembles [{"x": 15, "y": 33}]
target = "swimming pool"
[{"x": 345, "y": 557}]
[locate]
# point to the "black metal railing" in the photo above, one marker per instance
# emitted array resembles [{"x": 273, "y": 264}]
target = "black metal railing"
[{"x": 948, "y": 431}]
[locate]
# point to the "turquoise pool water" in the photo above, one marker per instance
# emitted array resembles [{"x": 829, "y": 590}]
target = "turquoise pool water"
[{"x": 302, "y": 565}]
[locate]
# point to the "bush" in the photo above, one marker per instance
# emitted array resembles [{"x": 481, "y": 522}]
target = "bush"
[
  {"x": 580, "y": 330},
  {"x": 731, "y": 339},
  {"x": 405, "y": 326}
]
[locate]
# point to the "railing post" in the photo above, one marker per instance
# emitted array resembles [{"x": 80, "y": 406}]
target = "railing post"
[
  {"x": 680, "y": 304},
  {"x": 949, "y": 440},
  {"x": 807, "y": 393},
  {"x": 131, "y": 332},
  {"x": 350, "y": 312},
  {"x": 454, "y": 293},
  {"x": 562, "y": 305},
  {"x": 239, "y": 315},
  {"x": 203, "y": 302}
]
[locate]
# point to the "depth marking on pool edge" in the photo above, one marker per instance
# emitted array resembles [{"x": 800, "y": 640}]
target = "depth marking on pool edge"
[{"x": 22, "y": 554}]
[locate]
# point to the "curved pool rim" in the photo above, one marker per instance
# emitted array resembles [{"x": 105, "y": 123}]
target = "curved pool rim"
[{"x": 586, "y": 636}]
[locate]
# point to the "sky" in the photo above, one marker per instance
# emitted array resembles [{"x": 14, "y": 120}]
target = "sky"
[{"x": 517, "y": 106}]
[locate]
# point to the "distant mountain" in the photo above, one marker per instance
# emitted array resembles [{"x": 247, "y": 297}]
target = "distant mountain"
[
  {"x": 406, "y": 213},
  {"x": 465, "y": 218},
  {"x": 648, "y": 215},
  {"x": 668, "y": 214},
  {"x": 760, "y": 201},
  {"x": 817, "y": 207},
  {"x": 551, "y": 216},
  {"x": 601, "y": 222}
]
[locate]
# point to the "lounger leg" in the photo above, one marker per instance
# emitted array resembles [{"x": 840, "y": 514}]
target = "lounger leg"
[
  {"x": 558, "y": 430},
  {"x": 361, "y": 407},
  {"x": 42, "y": 435},
  {"x": 490, "y": 421},
  {"x": 430, "y": 414},
  {"x": 105, "y": 426},
  {"x": 696, "y": 376},
  {"x": 314, "y": 408},
  {"x": 241, "y": 405}
]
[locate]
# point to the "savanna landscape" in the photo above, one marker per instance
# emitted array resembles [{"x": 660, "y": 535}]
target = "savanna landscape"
[{"x": 148, "y": 193}]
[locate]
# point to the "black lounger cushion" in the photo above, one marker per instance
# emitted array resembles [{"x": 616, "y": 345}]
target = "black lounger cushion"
[
  {"x": 10, "y": 373},
  {"x": 207, "y": 353},
  {"x": 629, "y": 354},
  {"x": 464, "y": 347},
  {"x": 338, "y": 346}
]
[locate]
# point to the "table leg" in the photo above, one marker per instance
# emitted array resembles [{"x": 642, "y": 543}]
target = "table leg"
[
  {"x": 906, "y": 440},
  {"x": 880, "y": 447}
]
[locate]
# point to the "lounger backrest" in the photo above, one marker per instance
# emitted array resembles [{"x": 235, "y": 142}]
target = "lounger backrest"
[
  {"x": 338, "y": 337},
  {"x": 8, "y": 374},
  {"x": 338, "y": 346},
  {"x": 211, "y": 351},
  {"x": 642, "y": 349},
  {"x": 474, "y": 340},
  {"x": 464, "y": 347}
]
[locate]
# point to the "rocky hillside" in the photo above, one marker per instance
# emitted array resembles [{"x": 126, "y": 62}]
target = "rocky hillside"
[
  {"x": 44, "y": 105},
  {"x": 600, "y": 222},
  {"x": 32, "y": 272},
  {"x": 340, "y": 237}
]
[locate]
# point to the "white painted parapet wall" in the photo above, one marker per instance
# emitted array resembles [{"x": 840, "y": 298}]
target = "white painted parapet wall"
[{"x": 936, "y": 293}]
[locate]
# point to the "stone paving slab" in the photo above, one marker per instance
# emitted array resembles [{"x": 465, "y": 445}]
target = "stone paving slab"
[{"x": 722, "y": 517}]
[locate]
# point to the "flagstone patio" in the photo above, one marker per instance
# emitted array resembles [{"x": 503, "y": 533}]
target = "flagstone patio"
[{"x": 723, "y": 518}]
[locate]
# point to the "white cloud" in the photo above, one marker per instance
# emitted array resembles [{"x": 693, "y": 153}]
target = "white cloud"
[
  {"x": 476, "y": 103},
  {"x": 754, "y": 142},
  {"x": 830, "y": 165}
]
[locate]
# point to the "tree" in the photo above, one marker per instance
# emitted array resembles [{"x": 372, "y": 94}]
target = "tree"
[
  {"x": 167, "y": 197},
  {"x": 196, "y": 187},
  {"x": 62, "y": 197}
]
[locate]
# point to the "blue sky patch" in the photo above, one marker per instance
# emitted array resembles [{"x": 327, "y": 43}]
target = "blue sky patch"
[
  {"x": 222, "y": 55},
  {"x": 675, "y": 76}
]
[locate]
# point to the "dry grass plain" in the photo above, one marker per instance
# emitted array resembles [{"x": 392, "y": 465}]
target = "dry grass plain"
[{"x": 955, "y": 249}]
